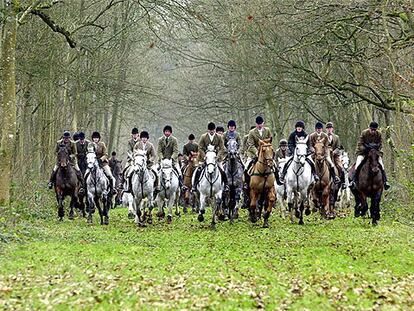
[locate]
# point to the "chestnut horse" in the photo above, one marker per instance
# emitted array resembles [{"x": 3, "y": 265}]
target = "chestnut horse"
[
  {"x": 321, "y": 188},
  {"x": 262, "y": 188},
  {"x": 188, "y": 170}
]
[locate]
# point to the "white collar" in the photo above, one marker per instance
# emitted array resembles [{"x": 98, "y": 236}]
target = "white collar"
[{"x": 211, "y": 136}]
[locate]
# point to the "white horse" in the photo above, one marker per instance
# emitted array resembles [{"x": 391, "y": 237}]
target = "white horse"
[
  {"x": 142, "y": 188},
  {"x": 169, "y": 188},
  {"x": 97, "y": 185},
  {"x": 299, "y": 180},
  {"x": 280, "y": 189},
  {"x": 345, "y": 195},
  {"x": 210, "y": 185}
]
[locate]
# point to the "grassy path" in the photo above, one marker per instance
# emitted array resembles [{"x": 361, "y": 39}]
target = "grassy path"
[{"x": 340, "y": 264}]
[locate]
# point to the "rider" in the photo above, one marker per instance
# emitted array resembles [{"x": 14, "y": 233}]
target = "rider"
[
  {"x": 134, "y": 139},
  {"x": 82, "y": 149},
  {"x": 75, "y": 136},
  {"x": 168, "y": 149},
  {"x": 320, "y": 136},
  {"x": 71, "y": 148},
  {"x": 189, "y": 148},
  {"x": 334, "y": 146},
  {"x": 368, "y": 136},
  {"x": 231, "y": 133},
  {"x": 145, "y": 145},
  {"x": 210, "y": 138},
  {"x": 299, "y": 132},
  {"x": 260, "y": 132},
  {"x": 244, "y": 145},
  {"x": 102, "y": 155},
  {"x": 282, "y": 151}
]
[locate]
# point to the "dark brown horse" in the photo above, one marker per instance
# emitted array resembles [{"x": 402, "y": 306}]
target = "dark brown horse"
[
  {"x": 262, "y": 188},
  {"x": 66, "y": 183},
  {"x": 369, "y": 184}
]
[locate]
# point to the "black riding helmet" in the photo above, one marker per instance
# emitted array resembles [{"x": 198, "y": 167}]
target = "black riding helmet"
[
  {"x": 373, "y": 125},
  {"x": 81, "y": 135},
  {"x": 283, "y": 142},
  {"x": 259, "y": 120},
  {"x": 211, "y": 126},
  {"x": 191, "y": 137},
  {"x": 300, "y": 123},
  {"x": 220, "y": 129},
  {"x": 167, "y": 128},
  {"x": 144, "y": 134},
  {"x": 96, "y": 135},
  {"x": 66, "y": 134},
  {"x": 134, "y": 131},
  {"x": 319, "y": 125},
  {"x": 231, "y": 123}
]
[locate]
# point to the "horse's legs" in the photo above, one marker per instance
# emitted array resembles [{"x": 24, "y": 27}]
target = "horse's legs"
[
  {"x": 91, "y": 208},
  {"x": 73, "y": 200},
  {"x": 61, "y": 210},
  {"x": 364, "y": 204},
  {"x": 252, "y": 210},
  {"x": 170, "y": 203},
  {"x": 325, "y": 202},
  {"x": 271, "y": 197},
  {"x": 375, "y": 208},
  {"x": 160, "y": 204},
  {"x": 98, "y": 206},
  {"x": 301, "y": 208},
  {"x": 106, "y": 206},
  {"x": 202, "y": 207}
]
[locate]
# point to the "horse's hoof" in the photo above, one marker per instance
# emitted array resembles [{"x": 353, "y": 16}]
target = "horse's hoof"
[
  {"x": 297, "y": 213},
  {"x": 177, "y": 213},
  {"x": 301, "y": 222},
  {"x": 222, "y": 217},
  {"x": 314, "y": 210},
  {"x": 253, "y": 219},
  {"x": 213, "y": 226},
  {"x": 131, "y": 215},
  {"x": 200, "y": 217},
  {"x": 106, "y": 221},
  {"x": 169, "y": 219},
  {"x": 307, "y": 212},
  {"x": 60, "y": 218},
  {"x": 374, "y": 223},
  {"x": 266, "y": 225},
  {"x": 149, "y": 221},
  {"x": 184, "y": 210}
]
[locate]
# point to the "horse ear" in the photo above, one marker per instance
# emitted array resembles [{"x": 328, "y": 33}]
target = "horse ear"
[
  {"x": 296, "y": 138},
  {"x": 261, "y": 142},
  {"x": 306, "y": 139}
]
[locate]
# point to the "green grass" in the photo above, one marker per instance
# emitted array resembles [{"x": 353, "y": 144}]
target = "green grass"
[{"x": 341, "y": 264}]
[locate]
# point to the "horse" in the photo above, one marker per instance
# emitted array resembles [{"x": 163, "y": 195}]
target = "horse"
[
  {"x": 369, "y": 184},
  {"x": 97, "y": 185},
  {"x": 188, "y": 171},
  {"x": 169, "y": 186},
  {"x": 210, "y": 185},
  {"x": 322, "y": 188},
  {"x": 344, "y": 196},
  {"x": 281, "y": 189},
  {"x": 299, "y": 181},
  {"x": 66, "y": 183},
  {"x": 142, "y": 188},
  {"x": 262, "y": 189},
  {"x": 233, "y": 168}
]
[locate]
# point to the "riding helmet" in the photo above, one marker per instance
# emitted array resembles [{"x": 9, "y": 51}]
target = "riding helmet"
[
  {"x": 259, "y": 120},
  {"x": 144, "y": 134},
  {"x": 373, "y": 125},
  {"x": 113, "y": 153},
  {"x": 329, "y": 125},
  {"x": 220, "y": 129},
  {"x": 66, "y": 134},
  {"x": 81, "y": 135},
  {"x": 211, "y": 126},
  {"x": 231, "y": 123},
  {"x": 319, "y": 125},
  {"x": 283, "y": 142},
  {"x": 75, "y": 136},
  {"x": 96, "y": 135},
  {"x": 300, "y": 124},
  {"x": 191, "y": 137},
  {"x": 134, "y": 131},
  {"x": 167, "y": 128}
]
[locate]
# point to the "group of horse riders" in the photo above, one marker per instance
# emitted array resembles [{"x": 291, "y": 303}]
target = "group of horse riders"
[{"x": 216, "y": 136}]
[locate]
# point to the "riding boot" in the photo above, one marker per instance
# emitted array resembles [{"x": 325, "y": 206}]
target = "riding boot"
[
  {"x": 343, "y": 184},
  {"x": 385, "y": 180},
  {"x": 196, "y": 179},
  {"x": 313, "y": 169},
  {"x": 52, "y": 180},
  {"x": 284, "y": 171},
  {"x": 276, "y": 172},
  {"x": 81, "y": 181},
  {"x": 333, "y": 175},
  {"x": 224, "y": 179}
]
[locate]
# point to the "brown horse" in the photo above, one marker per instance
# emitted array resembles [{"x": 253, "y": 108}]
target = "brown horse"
[
  {"x": 335, "y": 187},
  {"x": 369, "y": 184},
  {"x": 262, "y": 183},
  {"x": 188, "y": 170},
  {"x": 66, "y": 183},
  {"x": 320, "y": 191}
]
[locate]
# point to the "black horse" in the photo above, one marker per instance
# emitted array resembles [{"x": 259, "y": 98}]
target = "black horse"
[
  {"x": 66, "y": 183},
  {"x": 369, "y": 184}
]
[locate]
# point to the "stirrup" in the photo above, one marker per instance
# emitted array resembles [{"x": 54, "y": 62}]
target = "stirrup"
[
  {"x": 50, "y": 185},
  {"x": 386, "y": 185},
  {"x": 316, "y": 177}
]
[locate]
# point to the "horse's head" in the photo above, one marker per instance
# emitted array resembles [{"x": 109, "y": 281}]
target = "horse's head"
[
  {"x": 373, "y": 160},
  {"x": 193, "y": 157},
  {"x": 63, "y": 156},
  {"x": 140, "y": 159},
  {"x": 211, "y": 160},
  {"x": 345, "y": 160},
  {"x": 232, "y": 147},
  {"x": 266, "y": 151},
  {"x": 167, "y": 171},
  {"x": 319, "y": 151},
  {"x": 90, "y": 159},
  {"x": 301, "y": 150}
]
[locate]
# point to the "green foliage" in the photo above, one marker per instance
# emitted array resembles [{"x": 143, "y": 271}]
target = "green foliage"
[{"x": 340, "y": 264}]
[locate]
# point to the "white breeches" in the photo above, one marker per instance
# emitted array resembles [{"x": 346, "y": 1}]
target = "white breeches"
[
  {"x": 76, "y": 166},
  {"x": 361, "y": 157}
]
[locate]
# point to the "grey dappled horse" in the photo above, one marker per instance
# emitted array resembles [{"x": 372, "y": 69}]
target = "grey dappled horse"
[
  {"x": 280, "y": 189},
  {"x": 233, "y": 168},
  {"x": 169, "y": 185},
  {"x": 97, "y": 185}
]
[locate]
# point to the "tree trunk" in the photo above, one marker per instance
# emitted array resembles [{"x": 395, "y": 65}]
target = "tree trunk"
[{"x": 8, "y": 122}]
